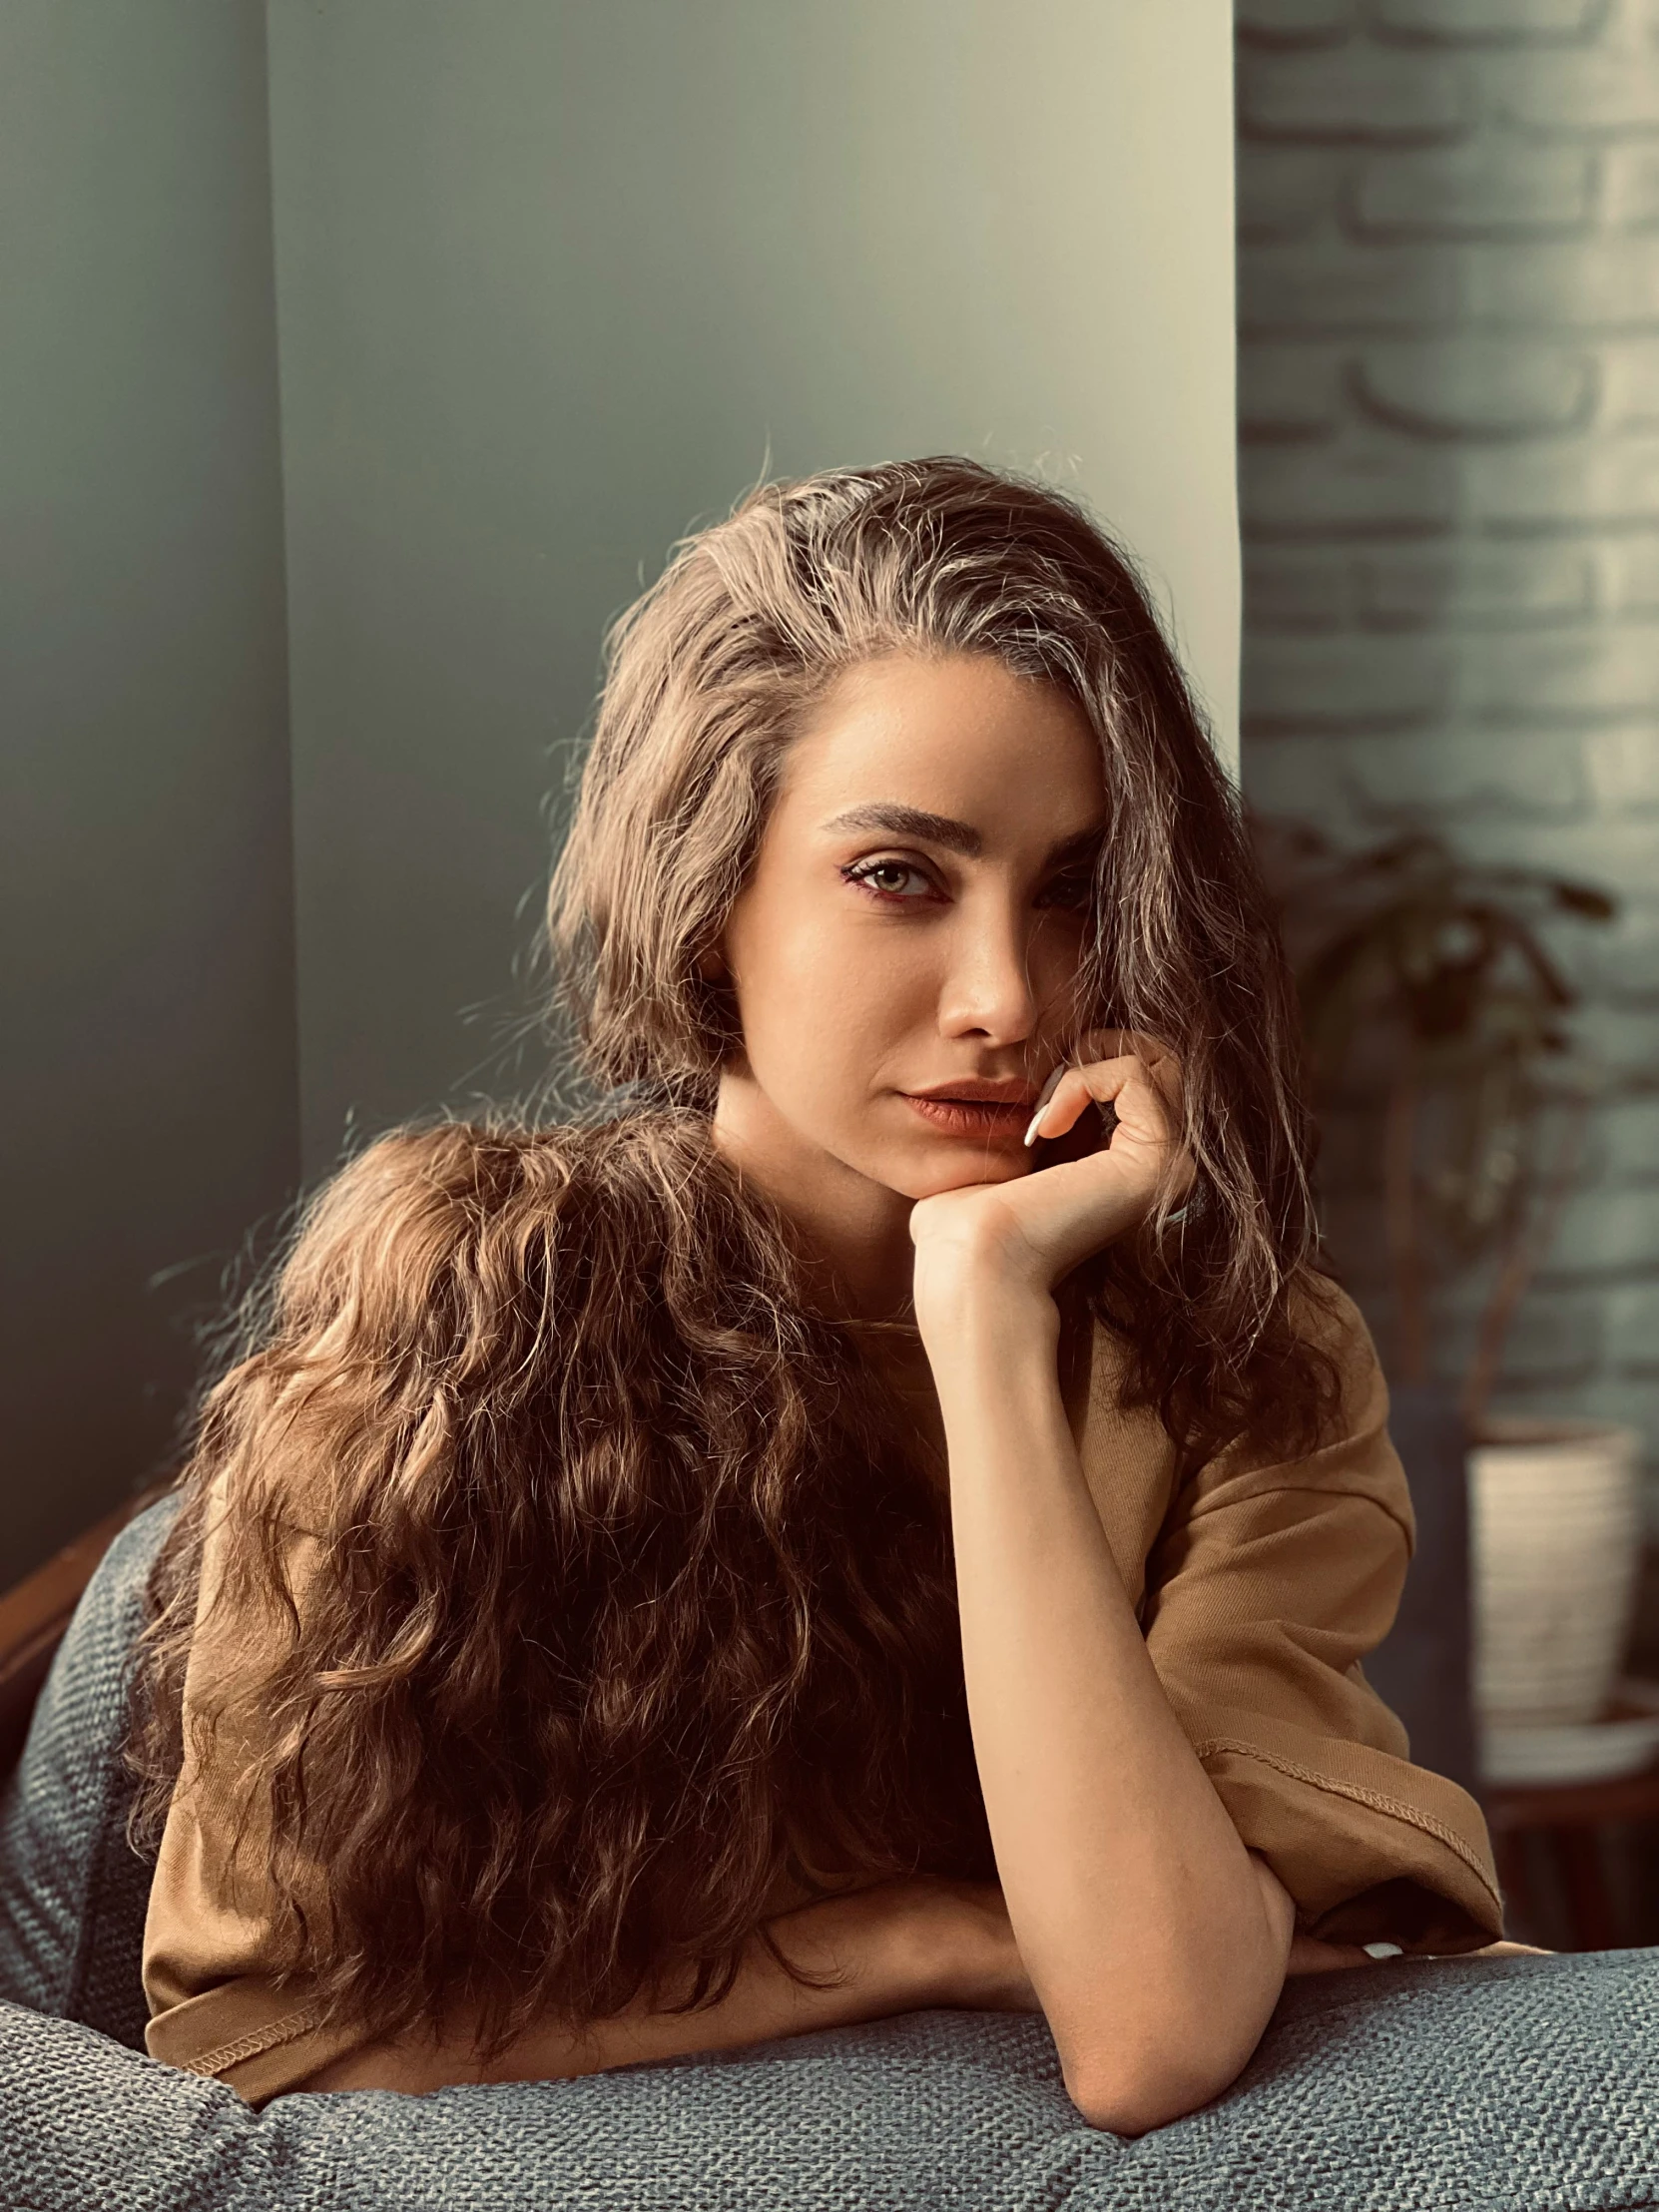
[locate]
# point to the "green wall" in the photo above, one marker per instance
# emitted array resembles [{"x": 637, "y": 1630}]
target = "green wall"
[
  {"x": 558, "y": 280},
  {"x": 552, "y": 283},
  {"x": 150, "y": 1102}
]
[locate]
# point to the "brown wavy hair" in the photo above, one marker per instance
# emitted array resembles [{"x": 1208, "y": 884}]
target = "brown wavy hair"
[
  {"x": 710, "y": 674},
  {"x": 578, "y": 1589},
  {"x": 569, "y": 1588}
]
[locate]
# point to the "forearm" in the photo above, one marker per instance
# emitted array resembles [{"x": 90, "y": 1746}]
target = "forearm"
[
  {"x": 1156, "y": 1946},
  {"x": 894, "y": 1947}
]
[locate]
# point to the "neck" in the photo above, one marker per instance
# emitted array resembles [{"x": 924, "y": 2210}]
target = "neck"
[{"x": 853, "y": 1233}]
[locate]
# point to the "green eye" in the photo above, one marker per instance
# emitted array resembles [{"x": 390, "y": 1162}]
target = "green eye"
[{"x": 864, "y": 872}]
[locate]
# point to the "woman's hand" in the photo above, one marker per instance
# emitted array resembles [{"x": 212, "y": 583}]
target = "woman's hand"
[
  {"x": 1036, "y": 1228},
  {"x": 944, "y": 1942},
  {"x": 975, "y": 1948},
  {"x": 902, "y": 1946},
  {"x": 1309, "y": 1956}
]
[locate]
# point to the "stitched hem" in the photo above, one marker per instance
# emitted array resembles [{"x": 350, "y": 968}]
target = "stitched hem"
[
  {"x": 287, "y": 2029},
  {"x": 1395, "y": 1808},
  {"x": 1214, "y": 1505}
]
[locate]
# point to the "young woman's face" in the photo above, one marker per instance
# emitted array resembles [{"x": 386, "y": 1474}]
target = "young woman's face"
[{"x": 914, "y": 921}]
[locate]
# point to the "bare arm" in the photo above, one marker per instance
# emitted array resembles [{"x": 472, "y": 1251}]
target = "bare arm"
[
  {"x": 896, "y": 1948},
  {"x": 1157, "y": 1945}
]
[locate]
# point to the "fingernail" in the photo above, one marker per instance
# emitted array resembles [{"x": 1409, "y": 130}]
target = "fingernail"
[
  {"x": 1043, "y": 1097},
  {"x": 1382, "y": 1951}
]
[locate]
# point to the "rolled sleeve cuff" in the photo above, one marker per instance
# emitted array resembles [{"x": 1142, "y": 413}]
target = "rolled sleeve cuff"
[
  {"x": 1371, "y": 1849},
  {"x": 256, "y": 2037}
]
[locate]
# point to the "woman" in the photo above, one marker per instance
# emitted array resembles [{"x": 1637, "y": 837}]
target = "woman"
[{"x": 892, "y": 1515}]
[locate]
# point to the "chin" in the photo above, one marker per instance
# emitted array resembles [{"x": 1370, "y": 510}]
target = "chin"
[{"x": 962, "y": 1170}]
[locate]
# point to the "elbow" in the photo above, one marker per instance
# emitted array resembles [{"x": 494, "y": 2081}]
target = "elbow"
[
  {"x": 1131, "y": 2096},
  {"x": 1132, "y": 2107},
  {"x": 1130, "y": 2067}
]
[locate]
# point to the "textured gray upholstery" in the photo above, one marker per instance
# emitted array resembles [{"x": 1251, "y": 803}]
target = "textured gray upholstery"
[
  {"x": 1515, "y": 2086},
  {"x": 72, "y": 1894},
  {"x": 1522, "y": 2084}
]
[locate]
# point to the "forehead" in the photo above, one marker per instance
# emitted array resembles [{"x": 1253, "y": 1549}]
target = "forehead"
[{"x": 955, "y": 736}]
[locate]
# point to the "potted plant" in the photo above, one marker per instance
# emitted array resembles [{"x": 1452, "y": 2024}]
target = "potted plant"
[{"x": 1427, "y": 972}]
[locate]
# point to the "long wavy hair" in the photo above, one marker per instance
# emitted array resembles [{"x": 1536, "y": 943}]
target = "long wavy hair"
[
  {"x": 558, "y": 1578},
  {"x": 712, "y": 674}
]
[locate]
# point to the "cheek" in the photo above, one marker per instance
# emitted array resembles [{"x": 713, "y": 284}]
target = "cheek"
[
  {"x": 1057, "y": 956},
  {"x": 785, "y": 961},
  {"x": 822, "y": 999},
  {"x": 783, "y": 957},
  {"x": 821, "y": 1014}
]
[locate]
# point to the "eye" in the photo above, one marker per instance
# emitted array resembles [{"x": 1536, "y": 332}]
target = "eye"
[
  {"x": 864, "y": 874},
  {"x": 1072, "y": 890}
]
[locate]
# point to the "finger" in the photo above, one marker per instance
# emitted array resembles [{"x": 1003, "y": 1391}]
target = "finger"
[
  {"x": 1111, "y": 1044},
  {"x": 1050, "y": 1085},
  {"x": 1309, "y": 1955},
  {"x": 1121, "y": 1084},
  {"x": 1162, "y": 1062},
  {"x": 1064, "y": 1088},
  {"x": 1107, "y": 1082}
]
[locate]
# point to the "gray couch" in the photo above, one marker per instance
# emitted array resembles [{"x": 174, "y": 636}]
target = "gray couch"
[{"x": 1516, "y": 2085}]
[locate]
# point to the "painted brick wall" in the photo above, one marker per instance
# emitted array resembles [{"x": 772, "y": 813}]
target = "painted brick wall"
[{"x": 1449, "y": 420}]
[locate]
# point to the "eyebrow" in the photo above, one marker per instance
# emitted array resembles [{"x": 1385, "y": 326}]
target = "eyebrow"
[{"x": 955, "y": 837}]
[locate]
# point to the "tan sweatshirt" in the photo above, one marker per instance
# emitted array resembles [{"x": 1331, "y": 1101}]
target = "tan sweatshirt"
[{"x": 1259, "y": 1589}]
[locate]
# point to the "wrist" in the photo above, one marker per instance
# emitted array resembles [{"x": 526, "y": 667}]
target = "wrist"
[
  {"x": 980, "y": 1300},
  {"x": 912, "y": 1943},
  {"x": 970, "y": 1957},
  {"x": 880, "y": 1943}
]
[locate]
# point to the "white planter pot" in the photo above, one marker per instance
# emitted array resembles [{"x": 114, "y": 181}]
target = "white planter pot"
[{"x": 1555, "y": 1531}]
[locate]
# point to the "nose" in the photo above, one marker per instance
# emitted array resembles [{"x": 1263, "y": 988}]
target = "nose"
[{"x": 988, "y": 989}]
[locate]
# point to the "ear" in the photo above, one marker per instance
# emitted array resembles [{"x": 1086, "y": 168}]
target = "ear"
[{"x": 711, "y": 966}]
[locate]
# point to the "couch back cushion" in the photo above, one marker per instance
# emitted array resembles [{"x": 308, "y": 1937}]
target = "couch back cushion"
[
  {"x": 1523, "y": 2081},
  {"x": 72, "y": 1891}
]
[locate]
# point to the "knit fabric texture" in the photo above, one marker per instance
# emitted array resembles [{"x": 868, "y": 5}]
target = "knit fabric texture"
[
  {"x": 1516, "y": 2085},
  {"x": 72, "y": 1891},
  {"x": 1513, "y": 2085}
]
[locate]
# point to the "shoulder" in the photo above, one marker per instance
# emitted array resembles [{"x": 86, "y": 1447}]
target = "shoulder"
[
  {"x": 495, "y": 1163},
  {"x": 437, "y": 1163},
  {"x": 1134, "y": 1469},
  {"x": 1324, "y": 1315},
  {"x": 1354, "y": 1454},
  {"x": 425, "y": 1199}
]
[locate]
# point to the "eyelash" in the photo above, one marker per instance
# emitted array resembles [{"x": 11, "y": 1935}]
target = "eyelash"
[{"x": 861, "y": 870}]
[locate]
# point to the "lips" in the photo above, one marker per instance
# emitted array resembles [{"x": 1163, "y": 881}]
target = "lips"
[
  {"x": 982, "y": 1091},
  {"x": 968, "y": 1116}
]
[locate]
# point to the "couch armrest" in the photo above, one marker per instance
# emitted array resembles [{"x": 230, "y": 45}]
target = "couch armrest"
[{"x": 35, "y": 1613}]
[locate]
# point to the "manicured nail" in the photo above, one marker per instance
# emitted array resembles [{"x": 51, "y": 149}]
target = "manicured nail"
[{"x": 1043, "y": 1097}]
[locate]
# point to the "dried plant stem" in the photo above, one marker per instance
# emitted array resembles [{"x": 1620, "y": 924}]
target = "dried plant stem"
[
  {"x": 1523, "y": 1256},
  {"x": 1400, "y": 1148}
]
